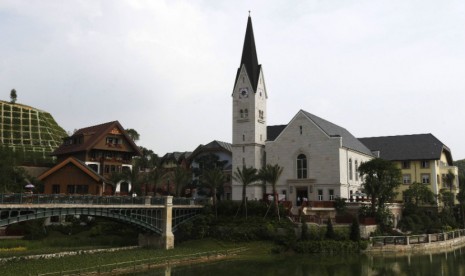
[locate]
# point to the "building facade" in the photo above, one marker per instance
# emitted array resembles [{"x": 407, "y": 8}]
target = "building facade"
[
  {"x": 88, "y": 158},
  {"x": 422, "y": 158}
]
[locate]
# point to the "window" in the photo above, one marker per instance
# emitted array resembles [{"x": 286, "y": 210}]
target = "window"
[
  {"x": 242, "y": 113},
  {"x": 55, "y": 189},
  {"x": 300, "y": 127},
  {"x": 82, "y": 189},
  {"x": 425, "y": 178},
  {"x": 112, "y": 141},
  {"x": 94, "y": 167},
  {"x": 425, "y": 164},
  {"x": 301, "y": 166},
  {"x": 405, "y": 164},
  {"x": 356, "y": 170},
  {"x": 243, "y": 137},
  {"x": 406, "y": 179},
  {"x": 246, "y": 113},
  {"x": 70, "y": 189},
  {"x": 331, "y": 194},
  {"x": 350, "y": 169},
  {"x": 320, "y": 195}
]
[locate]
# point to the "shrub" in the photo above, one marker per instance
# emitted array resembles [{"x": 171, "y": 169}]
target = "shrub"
[
  {"x": 329, "y": 230},
  {"x": 328, "y": 246},
  {"x": 355, "y": 230}
]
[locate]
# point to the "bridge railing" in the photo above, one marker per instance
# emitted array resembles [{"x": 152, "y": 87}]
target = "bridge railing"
[{"x": 91, "y": 199}]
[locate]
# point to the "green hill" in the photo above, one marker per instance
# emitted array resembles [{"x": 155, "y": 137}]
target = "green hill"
[{"x": 30, "y": 132}]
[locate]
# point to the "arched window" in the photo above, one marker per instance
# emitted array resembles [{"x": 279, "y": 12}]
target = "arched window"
[
  {"x": 246, "y": 113},
  {"x": 356, "y": 170},
  {"x": 301, "y": 166},
  {"x": 350, "y": 169},
  {"x": 242, "y": 113}
]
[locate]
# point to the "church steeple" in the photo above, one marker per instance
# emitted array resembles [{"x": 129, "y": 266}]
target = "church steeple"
[{"x": 249, "y": 56}]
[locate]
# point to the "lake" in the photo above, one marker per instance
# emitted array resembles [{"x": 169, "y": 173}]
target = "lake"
[{"x": 447, "y": 263}]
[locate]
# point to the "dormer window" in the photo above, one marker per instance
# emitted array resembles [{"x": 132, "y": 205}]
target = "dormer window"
[{"x": 113, "y": 141}]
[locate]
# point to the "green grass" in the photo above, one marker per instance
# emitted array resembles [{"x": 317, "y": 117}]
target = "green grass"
[
  {"x": 58, "y": 242},
  {"x": 99, "y": 260}
]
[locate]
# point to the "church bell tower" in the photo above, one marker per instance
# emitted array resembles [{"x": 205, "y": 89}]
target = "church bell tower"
[{"x": 249, "y": 115}]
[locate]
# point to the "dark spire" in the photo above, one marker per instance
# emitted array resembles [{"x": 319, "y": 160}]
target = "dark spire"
[{"x": 249, "y": 56}]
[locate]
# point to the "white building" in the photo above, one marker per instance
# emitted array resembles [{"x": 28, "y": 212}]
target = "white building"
[{"x": 320, "y": 159}]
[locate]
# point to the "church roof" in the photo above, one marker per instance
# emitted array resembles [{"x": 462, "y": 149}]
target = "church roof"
[
  {"x": 273, "y": 131},
  {"x": 408, "y": 147},
  {"x": 249, "y": 57},
  {"x": 333, "y": 130}
]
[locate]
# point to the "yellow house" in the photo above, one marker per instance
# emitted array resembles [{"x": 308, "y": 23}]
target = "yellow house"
[{"x": 421, "y": 157}]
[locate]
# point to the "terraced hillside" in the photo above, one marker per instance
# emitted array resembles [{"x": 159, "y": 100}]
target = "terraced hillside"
[{"x": 31, "y": 132}]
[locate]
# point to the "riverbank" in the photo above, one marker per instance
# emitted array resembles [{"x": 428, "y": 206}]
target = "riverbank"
[
  {"x": 138, "y": 258},
  {"x": 417, "y": 243}
]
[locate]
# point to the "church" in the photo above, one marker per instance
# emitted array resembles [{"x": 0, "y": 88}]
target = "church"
[{"x": 319, "y": 159}]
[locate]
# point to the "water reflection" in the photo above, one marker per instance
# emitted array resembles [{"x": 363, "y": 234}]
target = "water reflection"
[{"x": 446, "y": 263}]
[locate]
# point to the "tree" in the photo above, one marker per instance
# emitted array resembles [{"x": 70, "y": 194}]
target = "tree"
[
  {"x": 13, "y": 96},
  {"x": 181, "y": 178},
  {"x": 133, "y": 134},
  {"x": 213, "y": 179},
  {"x": 155, "y": 177},
  {"x": 11, "y": 177},
  {"x": 449, "y": 179},
  {"x": 245, "y": 176},
  {"x": 148, "y": 160},
  {"x": 355, "y": 230},
  {"x": 418, "y": 194},
  {"x": 461, "y": 197},
  {"x": 381, "y": 178},
  {"x": 134, "y": 177},
  {"x": 329, "y": 230},
  {"x": 207, "y": 162},
  {"x": 271, "y": 174}
]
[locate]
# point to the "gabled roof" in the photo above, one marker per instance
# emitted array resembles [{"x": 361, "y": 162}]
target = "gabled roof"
[
  {"x": 79, "y": 164},
  {"x": 214, "y": 145},
  {"x": 330, "y": 129},
  {"x": 333, "y": 130},
  {"x": 175, "y": 156},
  {"x": 249, "y": 57},
  {"x": 96, "y": 133},
  {"x": 408, "y": 147}
]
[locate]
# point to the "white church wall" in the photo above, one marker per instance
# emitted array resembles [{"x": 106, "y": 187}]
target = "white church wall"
[{"x": 322, "y": 154}]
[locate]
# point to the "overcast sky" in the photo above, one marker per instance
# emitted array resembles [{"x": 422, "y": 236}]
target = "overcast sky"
[{"x": 167, "y": 68}]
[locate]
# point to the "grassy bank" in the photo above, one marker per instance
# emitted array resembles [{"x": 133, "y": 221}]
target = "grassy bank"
[{"x": 99, "y": 260}]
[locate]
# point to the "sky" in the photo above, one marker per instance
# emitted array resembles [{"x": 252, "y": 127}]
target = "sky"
[{"x": 167, "y": 68}]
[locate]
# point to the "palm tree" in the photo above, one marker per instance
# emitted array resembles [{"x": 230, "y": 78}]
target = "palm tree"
[
  {"x": 271, "y": 174},
  {"x": 213, "y": 179},
  {"x": 134, "y": 177},
  {"x": 155, "y": 177},
  {"x": 181, "y": 178},
  {"x": 245, "y": 176}
]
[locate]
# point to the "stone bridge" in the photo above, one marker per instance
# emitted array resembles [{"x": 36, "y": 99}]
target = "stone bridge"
[{"x": 157, "y": 217}]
